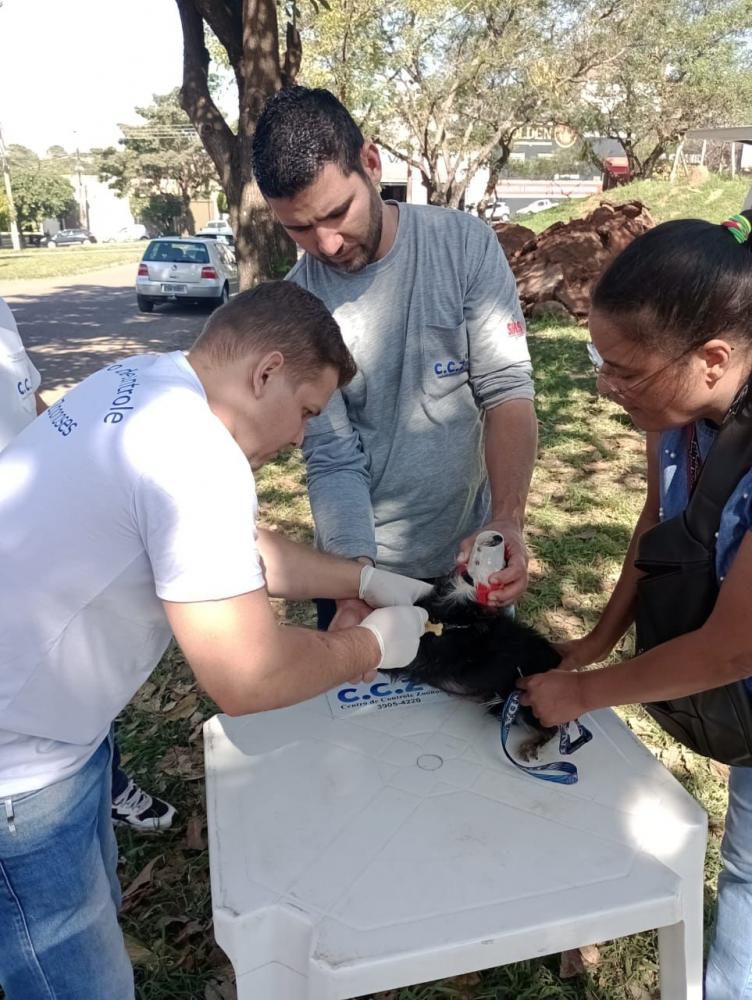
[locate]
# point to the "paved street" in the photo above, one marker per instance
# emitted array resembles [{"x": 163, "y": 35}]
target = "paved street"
[{"x": 73, "y": 326}]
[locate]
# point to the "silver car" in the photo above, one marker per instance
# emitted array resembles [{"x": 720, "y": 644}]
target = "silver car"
[{"x": 174, "y": 269}]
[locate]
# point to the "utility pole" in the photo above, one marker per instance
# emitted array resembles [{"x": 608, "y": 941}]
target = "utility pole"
[
  {"x": 14, "y": 237},
  {"x": 83, "y": 195}
]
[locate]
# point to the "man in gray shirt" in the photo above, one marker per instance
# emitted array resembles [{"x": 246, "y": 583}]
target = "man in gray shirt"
[{"x": 436, "y": 436}]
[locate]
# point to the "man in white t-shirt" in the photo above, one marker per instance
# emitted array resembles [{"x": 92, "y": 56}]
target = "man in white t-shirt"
[
  {"x": 20, "y": 403},
  {"x": 128, "y": 513}
]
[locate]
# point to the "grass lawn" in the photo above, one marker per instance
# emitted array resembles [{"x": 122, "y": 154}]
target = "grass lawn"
[
  {"x": 716, "y": 200},
  {"x": 45, "y": 263},
  {"x": 587, "y": 492}
]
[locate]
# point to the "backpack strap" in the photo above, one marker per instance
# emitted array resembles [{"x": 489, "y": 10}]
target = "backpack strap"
[{"x": 730, "y": 457}]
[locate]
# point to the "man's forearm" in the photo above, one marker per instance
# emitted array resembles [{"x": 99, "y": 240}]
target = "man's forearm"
[
  {"x": 299, "y": 572},
  {"x": 510, "y": 451},
  {"x": 301, "y": 665}
]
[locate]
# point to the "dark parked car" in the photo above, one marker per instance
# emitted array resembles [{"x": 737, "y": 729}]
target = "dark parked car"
[{"x": 68, "y": 237}]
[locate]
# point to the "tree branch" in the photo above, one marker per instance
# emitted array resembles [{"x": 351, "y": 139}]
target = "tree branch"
[
  {"x": 225, "y": 21},
  {"x": 195, "y": 98}
]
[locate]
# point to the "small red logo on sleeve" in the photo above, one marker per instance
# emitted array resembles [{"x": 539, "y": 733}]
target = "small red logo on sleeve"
[{"x": 516, "y": 328}]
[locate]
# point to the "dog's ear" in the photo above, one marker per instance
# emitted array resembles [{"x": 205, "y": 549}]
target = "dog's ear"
[{"x": 453, "y": 602}]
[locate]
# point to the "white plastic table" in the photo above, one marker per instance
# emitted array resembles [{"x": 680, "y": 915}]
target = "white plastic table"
[{"x": 358, "y": 854}]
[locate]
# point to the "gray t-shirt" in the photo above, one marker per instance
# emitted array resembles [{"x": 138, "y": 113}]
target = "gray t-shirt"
[{"x": 395, "y": 463}]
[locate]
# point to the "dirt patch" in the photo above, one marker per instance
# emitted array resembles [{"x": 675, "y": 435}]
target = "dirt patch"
[{"x": 556, "y": 270}]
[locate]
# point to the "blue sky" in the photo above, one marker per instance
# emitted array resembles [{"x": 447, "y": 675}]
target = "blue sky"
[{"x": 81, "y": 66}]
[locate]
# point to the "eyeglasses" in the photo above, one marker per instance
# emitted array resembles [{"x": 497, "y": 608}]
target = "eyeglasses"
[{"x": 623, "y": 386}]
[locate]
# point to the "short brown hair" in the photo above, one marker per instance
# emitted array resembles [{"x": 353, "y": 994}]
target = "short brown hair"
[{"x": 278, "y": 316}]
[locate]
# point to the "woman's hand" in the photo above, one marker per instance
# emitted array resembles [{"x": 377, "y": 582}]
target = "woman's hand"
[
  {"x": 582, "y": 652},
  {"x": 555, "y": 697}
]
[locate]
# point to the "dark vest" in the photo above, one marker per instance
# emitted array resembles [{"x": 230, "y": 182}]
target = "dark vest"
[{"x": 679, "y": 590}]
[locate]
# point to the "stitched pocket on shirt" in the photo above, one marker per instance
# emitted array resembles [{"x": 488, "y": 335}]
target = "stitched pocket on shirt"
[{"x": 445, "y": 361}]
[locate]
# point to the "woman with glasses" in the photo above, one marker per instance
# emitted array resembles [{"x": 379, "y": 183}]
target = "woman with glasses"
[{"x": 671, "y": 328}]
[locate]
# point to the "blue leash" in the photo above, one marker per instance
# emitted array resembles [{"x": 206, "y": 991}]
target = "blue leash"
[{"x": 561, "y": 772}]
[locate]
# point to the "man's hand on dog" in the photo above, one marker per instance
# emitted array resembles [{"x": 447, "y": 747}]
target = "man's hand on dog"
[
  {"x": 555, "y": 697},
  {"x": 382, "y": 589},
  {"x": 509, "y": 584},
  {"x": 349, "y": 614},
  {"x": 378, "y": 588}
]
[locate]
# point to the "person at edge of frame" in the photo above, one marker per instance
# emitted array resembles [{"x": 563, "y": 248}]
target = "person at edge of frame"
[
  {"x": 20, "y": 403},
  {"x": 671, "y": 328}
]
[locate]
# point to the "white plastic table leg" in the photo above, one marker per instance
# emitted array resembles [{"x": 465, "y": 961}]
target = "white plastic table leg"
[
  {"x": 680, "y": 945},
  {"x": 273, "y": 982},
  {"x": 680, "y": 955}
]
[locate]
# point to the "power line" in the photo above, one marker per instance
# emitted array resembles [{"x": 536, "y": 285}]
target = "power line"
[{"x": 159, "y": 132}]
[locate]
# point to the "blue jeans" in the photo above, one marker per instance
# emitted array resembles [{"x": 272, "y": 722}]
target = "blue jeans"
[
  {"x": 729, "y": 970},
  {"x": 119, "y": 777},
  {"x": 59, "y": 893}
]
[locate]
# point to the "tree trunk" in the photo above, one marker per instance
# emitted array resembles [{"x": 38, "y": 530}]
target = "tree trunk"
[
  {"x": 249, "y": 33},
  {"x": 651, "y": 161},
  {"x": 263, "y": 248},
  {"x": 187, "y": 221},
  {"x": 495, "y": 166},
  {"x": 456, "y": 194}
]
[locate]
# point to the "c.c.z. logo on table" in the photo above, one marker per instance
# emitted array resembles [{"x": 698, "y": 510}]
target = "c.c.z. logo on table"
[{"x": 376, "y": 691}]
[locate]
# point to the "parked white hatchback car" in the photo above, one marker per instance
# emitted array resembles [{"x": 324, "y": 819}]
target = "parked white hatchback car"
[
  {"x": 135, "y": 231},
  {"x": 216, "y": 226},
  {"x": 174, "y": 269},
  {"x": 536, "y": 206}
]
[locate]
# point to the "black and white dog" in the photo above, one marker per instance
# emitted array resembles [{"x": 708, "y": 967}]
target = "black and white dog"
[{"x": 476, "y": 652}]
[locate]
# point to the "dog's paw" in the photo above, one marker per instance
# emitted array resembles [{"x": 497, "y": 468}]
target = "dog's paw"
[{"x": 529, "y": 749}]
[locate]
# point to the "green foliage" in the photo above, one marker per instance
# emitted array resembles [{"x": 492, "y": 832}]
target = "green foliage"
[
  {"x": 677, "y": 65},
  {"x": 442, "y": 85},
  {"x": 715, "y": 200},
  {"x": 448, "y": 85},
  {"x": 162, "y": 156},
  {"x": 21, "y": 158},
  {"x": 4, "y": 212},
  {"x": 161, "y": 212},
  {"x": 565, "y": 161},
  {"x": 39, "y": 195},
  {"x": 65, "y": 261}
]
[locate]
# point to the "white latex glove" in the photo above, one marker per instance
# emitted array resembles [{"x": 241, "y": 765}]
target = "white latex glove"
[
  {"x": 381, "y": 589},
  {"x": 398, "y": 631}
]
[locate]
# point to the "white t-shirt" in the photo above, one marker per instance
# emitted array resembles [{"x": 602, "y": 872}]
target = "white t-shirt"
[
  {"x": 127, "y": 491},
  {"x": 19, "y": 380}
]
